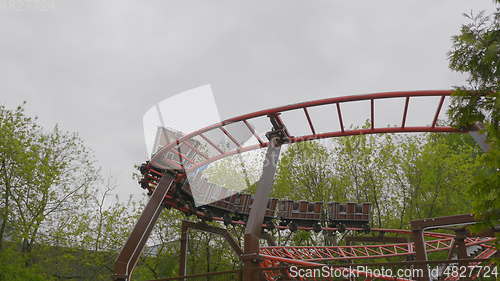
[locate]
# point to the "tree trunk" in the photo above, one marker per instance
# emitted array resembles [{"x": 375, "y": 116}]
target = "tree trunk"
[
  {"x": 208, "y": 255},
  {"x": 5, "y": 215}
]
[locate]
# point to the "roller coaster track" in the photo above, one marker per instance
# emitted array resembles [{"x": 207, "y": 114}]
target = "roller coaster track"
[
  {"x": 274, "y": 259},
  {"x": 189, "y": 158},
  {"x": 245, "y": 121},
  {"x": 328, "y": 253},
  {"x": 316, "y": 256},
  {"x": 437, "y": 242}
]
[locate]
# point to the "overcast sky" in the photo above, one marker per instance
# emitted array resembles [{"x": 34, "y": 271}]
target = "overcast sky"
[{"x": 95, "y": 67}]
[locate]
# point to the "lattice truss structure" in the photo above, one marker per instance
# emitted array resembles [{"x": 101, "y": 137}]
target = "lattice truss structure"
[
  {"x": 325, "y": 253},
  {"x": 316, "y": 256}
]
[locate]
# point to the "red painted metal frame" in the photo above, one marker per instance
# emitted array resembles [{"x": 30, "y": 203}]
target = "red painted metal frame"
[
  {"x": 246, "y": 120},
  {"x": 326, "y": 253},
  {"x": 367, "y": 275}
]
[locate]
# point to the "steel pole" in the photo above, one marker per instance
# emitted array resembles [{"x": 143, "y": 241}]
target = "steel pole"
[
  {"x": 461, "y": 249},
  {"x": 257, "y": 212},
  {"x": 125, "y": 263},
  {"x": 183, "y": 254},
  {"x": 420, "y": 253}
]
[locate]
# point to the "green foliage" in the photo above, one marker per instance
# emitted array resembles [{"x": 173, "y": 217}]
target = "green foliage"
[
  {"x": 160, "y": 259},
  {"x": 404, "y": 177},
  {"x": 442, "y": 174},
  {"x": 47, "y": 187},
  {"x": 360, "y": 163},
  {"x": 12, "y": 267},
  {"x": 305, "y": 173},
  {"x": 476, "y": 52},
  {"x": 42, "y": 173}
]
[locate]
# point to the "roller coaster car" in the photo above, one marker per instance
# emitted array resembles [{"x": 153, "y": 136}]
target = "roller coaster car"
[
  {"x": 303, "y": 213},
  {"x": 224, "y": 203},
  {"x": 271, "y": 208},
  {"x": 243, "y": 205},
  {"x": 349, "y": 214}
]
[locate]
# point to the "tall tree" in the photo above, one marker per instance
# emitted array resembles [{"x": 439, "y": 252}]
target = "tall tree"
[
  {"x": 476, "y": 52},
  {"x": 305, "y": 173},
  {"x": 42, "y": 173}
]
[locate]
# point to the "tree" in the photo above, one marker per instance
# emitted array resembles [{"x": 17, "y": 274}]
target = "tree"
[
  {"x": 439, "y": 176},
  {"x": 361, "y": 162},
  {"x": 305, "y": 173},
  {"x": 84, "y": 241},
  {"x": 42, "y": 174},
  {"x": 476, "y": 52}
]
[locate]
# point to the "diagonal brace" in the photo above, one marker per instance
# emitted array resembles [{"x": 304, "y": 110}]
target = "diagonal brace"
[{"x": 127, "y": 259}]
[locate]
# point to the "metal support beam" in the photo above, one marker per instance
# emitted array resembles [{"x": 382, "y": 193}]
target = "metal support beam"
[
  {"x": 441, "y": 222},
  {"x": 258, "y": 210},
  {"x": 418, "y": 227},
  {"x": 460, "y": 236},
  {"x": 186, "y": 225},
  {"x": 127, "y": 259},
  {"x": 420, "y": 253},
  {"x": 183, "y": 254}
]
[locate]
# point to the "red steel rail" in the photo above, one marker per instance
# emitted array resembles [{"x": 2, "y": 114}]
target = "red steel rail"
[
  {"x": 189, "y": 164},
  {"x": 326, "y": 253},
  {"x": 277, "y": 260}
]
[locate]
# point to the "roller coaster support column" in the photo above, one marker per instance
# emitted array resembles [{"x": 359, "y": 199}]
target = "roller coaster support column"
[
  {"x": 460, "y": 244},
  {"x": 420, "y": 252},
  {"x": 418, "y": 227},
  {"x": 183, "y": 256},
  {"x": 259, "y": 206},
  {"x": 127, "y": 259}
]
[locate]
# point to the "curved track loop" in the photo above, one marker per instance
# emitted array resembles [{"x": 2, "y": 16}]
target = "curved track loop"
[{"x": 245, "y": 121}]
